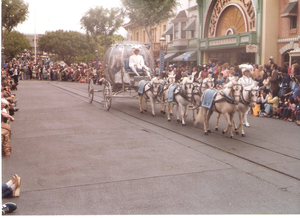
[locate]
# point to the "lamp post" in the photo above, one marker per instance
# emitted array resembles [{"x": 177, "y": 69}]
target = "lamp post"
[
  {"x": 96, "y": 53},
  {"x": 161, "y": 55}
]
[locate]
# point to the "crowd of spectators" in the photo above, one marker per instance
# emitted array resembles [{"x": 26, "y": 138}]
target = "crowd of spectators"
[
  {"x": 20, "y": 69},
  {"x": 279, "y": 86}
]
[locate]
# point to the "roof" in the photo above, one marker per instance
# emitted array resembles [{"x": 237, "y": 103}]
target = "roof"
[{"x": 291, "y": 10}]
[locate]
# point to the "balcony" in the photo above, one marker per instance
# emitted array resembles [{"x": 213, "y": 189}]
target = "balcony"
[{"x": 180, "y": 43}]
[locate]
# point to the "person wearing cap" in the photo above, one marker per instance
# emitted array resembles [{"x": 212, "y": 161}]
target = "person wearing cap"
[
  {"x": 247, "y": 82},
  {"x": 209, "y": 81},
  {"x": 136, "y": 62}
]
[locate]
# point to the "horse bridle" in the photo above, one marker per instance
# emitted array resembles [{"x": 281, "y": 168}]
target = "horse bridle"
[{"x": 242, "y": 99}]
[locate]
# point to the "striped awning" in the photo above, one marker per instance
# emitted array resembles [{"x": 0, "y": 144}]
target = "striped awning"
[{"x": 186, "y": 56}]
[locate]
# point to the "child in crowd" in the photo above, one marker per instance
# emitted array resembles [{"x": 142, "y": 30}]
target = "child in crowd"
[
  {"x": 220, "y": 81},
  {"x": 287, "y": 112}
]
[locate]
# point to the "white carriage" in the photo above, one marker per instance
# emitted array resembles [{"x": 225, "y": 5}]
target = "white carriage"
[{"x": 120, "y": 80}]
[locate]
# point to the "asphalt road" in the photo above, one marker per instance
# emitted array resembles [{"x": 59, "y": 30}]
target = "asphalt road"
[{"x": 74, "y": 158}]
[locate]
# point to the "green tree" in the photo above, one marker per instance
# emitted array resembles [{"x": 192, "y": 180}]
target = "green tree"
[
  {"x": 109, "y": 41},
  {"x": 14, "y": 12},
  {"x": 15, "y": 44},
  {"x": 69, "y": 46},
  {"x": 147, "y": 13},
  {"x": 99, "y": 23}
]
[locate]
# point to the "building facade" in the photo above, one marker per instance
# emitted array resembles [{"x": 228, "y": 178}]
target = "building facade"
[
  {"x": 137, "y": 33},
  {"x": 289, "y": 30}
]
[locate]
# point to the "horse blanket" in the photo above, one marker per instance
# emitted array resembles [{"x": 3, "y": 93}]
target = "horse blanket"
[
  {"x": 208, "y": 98},
  {"x": 142, "y": 86},
  {"x": 171, "y": 92}
]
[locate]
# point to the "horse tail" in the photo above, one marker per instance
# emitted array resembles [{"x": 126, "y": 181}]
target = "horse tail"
[{"x": 199, "y": 116}]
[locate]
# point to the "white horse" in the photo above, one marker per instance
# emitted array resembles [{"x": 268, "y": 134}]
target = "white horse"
[
  {"x": 150, "y": 91},
  {"x": 198, "y": 91},
  {"x": 247, "y": 99},
  {"x": 225, "y": 102},
  {"x": 164, "y": 95},
  {"x": 182, "y": 97}
]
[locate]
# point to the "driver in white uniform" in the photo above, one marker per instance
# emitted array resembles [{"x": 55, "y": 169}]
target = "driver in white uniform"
[
  {"x": 136, "y": 61},
  {"x": 247, "y": 82}
]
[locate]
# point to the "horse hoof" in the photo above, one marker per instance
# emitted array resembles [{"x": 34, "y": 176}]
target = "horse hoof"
[
  {"x": 231, "y": 137},
  {"x": 178, "y": 121},
  {"x": 216, "y": 129},
  {"x": 235, "y": 129},
  {"x": 237, "y": 133},
  {"x": 206, "y": 133},
  {"x": 141, "y": 112},
  {"x": 153, "y": 115},
  {"x": 145, "y": 110},
  {"x": 171, "y": 114},
  {"x": 243, "y": 135},
  {"x": 169, "y": 120},
  {"x": 183, "y": 124},
  {"x": 223, "y": 132}
]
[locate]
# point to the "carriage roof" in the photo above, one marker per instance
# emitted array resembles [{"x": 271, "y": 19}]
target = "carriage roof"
[{"x": 115, "y": 56}]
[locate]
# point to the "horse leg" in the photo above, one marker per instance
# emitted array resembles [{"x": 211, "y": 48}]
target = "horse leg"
[
  {"x": 242, "y": 115},
  {"x": 177, "y": 113},
  {"x": 145, "y": 105},
  {"x": 210, "y": 112},
  {"x": 152, "y": 106},
  {"x": 217, "y": 123},
  {"x": 183, "y": 110},
  {"x": 171, "y": 108},
  {"x": 229, "y": 126},
  {"x": 168, "y": 111},
  {"x": 141, "y": 103}
]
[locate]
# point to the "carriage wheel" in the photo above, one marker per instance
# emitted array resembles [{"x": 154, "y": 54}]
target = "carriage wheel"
[
  {"x": 107, "y": 95},
  {"x": 91, "y": 91}
]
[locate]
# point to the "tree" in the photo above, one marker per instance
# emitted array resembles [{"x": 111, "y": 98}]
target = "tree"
[
  {"x": 147, "y": 13},
  {"x": 102, "y": 22},
  {"x": 13, "y": 13},
  {"x": 69, "y": 46},
  {"x": 15, "y": 44}
]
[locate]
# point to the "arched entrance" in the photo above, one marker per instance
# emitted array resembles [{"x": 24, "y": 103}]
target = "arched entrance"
[{"x": 231, "y": 22}]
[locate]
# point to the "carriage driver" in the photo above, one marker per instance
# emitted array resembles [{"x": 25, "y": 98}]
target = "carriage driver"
[{"x": 136, "y": 61}]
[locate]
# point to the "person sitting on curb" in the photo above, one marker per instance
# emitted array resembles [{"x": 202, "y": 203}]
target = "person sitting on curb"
[{"x": 12, "y": 188}]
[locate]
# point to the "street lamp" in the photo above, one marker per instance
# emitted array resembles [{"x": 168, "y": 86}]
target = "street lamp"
[
  {"x": 161, "y": 54},
  {"x": 96, "y": 52}
]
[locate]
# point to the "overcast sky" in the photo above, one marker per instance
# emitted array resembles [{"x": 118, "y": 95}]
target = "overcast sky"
[{"x": 52, "y": 15}]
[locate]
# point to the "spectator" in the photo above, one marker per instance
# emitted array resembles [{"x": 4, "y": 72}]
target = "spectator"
[
  {"x": 287, "y": 112},
  {"x": 12, "y": 187},
  {"x": 272, "y": 103},
  {"x": 284, "y": 82},
  {"x": 274, "y": 87}
]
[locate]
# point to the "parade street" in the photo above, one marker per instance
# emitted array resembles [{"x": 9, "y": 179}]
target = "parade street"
[{"x": 74, "y": 158}]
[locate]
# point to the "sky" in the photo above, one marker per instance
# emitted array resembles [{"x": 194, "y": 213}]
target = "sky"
[{"x": 52, "y": 15}]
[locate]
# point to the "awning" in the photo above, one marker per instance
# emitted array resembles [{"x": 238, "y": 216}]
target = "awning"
[
  {"x": 191, "y": 25},
  {"x": 169, "y": 31},
  {"x": 167, "y": 57},
  {"x": 187, "y": 56},
  {"x": 291, "y": 10}
]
